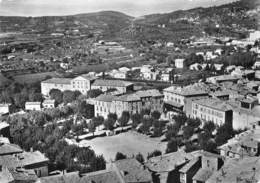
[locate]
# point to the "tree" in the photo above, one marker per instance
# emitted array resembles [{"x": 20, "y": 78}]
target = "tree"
[
  {"x": 35, "y": 97},
  {"x": 109, "y": 124},
  {"x": 92, "y": 127},
  {"x": 69, "y": 96},
  {"x": 112, "y": 116},
  {"x": 209, "y": 127},
  {"x": 136, "y": 118},
  {"x": 154, "y": 154},
  {"x": 224, "y": 133},
  {"x": 86, "y": 110},
  {"x": 139, "y": 157},
  {"x": 172, "y": 146},
  {"x": 188, "y": 132},
  {"x": 172, "y": 131},
  {"x": 99, "y": 120},
  {"x": 156, "y": 115},
  {"x": 120, "y": 156},
  {"x": 94, "y": 93},
  {"x": 20, "y": 100},
  {"x": 56, "y": 95},
  {"x": 124, "y": 119}
]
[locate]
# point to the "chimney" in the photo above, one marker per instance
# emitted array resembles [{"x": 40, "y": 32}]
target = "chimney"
[
  {"x": 1, "y": 168},
  {"x": 31, "y": 149}
]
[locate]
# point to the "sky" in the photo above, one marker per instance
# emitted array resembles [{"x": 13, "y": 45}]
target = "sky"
[{"x": 69, "y": 7}]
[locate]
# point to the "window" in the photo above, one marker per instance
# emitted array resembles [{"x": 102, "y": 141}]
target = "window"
[{"x": 207, "y": 163}]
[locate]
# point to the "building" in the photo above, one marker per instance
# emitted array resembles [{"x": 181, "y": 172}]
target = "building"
[
  {"x": 105, "y": 85},
  {"x": 81, "y": 83},
  {"x": 179, "y": 63},
  {"x": 254, "y": 36},
  {"x": 214, "y": 110},
  {"x": 104, "y": 105},
  {"x": 133, "y": 103},
  {"x": 9, "y": 149},
  {"x": 122, "y": 171},
  {"x": 223, "y": 78},
  {"x": 238, "y": 171},
  {"x": 210, "y": 163},
  {"x": 61, "y": 84},
  {"x": 33, "y": 106},
  {"x": 189, "y": 170},
  {"x": 4, "y": 108},
  {"x": 176, "y": 98},
  {"x": 13, "y": 175},
  {"x": 34, "y": 161},
  {"x": 48, "y": 104},
  {"x": 243, "y": 145},
  {"x": 165, "y": 168}
]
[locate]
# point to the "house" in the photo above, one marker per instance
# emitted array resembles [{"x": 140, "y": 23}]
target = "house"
[
  {"x": 35, "y": 161},
  {"x": 105, "y": 85},
  {"x": 61, "y": 84},
  {"x": 165, "y": 168},
  {"x": 238, "y": 171},
  {"x": 189, "y": 170},
  {"x": 175, "y": 98},
  {"x": 4, "y": 108},
  {"x": 121, "y": 171},
  {"x": 133, "y": 103},
  {"x": 215, "y": 110},
  {"x": 209, "y": 164},
  {"x": 246, "y": 144},
  {"x": 81, "y": 83},
  {"x": 33, "y": 106},
  {"x": 48, "y": 104},
  {"x": 11, "y": 175},
  {"x": 223, "y": 78},
  {"x": 9, "y": 149},
  {"x": 179, "y": 63}
]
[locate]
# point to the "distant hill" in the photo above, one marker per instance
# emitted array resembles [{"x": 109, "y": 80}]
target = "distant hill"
[
  {"x": 229, "y": 19},
  {"x": 232, "y": 19}
]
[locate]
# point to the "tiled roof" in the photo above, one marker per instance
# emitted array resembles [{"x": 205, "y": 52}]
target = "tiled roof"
[
  {"x": 58, "y": 81},
  {"x": 22, "y": 175},
  {"x": 168, "y": 162},
  {"x": 9, "y": 149},
  {"x": 105, "y": 98},
  {"x": 128, "y": 98},
  {"x": 88, "y": 77},
  {"x": 72, "y": 177},
  {"x": 3, "y": 125},
  {"x": 214, "y": 104},
  {"x": 186, "y": 91},
  {"x": 33, "y": 103},
  {"x": 103, "y": 176},
  {"x": 234, "y": 170},
  {"x": 113, "y": 83},
  {"x": 149, "y": 93},
  {"x": 133, "y": 171},
  {"x": 35, "y": 157},
  {"x": 202, "y": 175}
]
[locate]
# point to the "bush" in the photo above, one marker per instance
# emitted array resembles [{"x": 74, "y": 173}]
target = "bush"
[{"x": 120, "y": 156}]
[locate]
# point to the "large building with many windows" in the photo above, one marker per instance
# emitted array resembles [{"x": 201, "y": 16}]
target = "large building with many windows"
[
  {"x": 214, "y": 110},
  {"x": 84, "y": 83},
  {"x": 133, "y": 103}
]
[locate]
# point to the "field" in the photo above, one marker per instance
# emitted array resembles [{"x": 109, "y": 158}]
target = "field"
[
  {"x": 130, "y": 143},
  {"x": 33, "y": 78}
]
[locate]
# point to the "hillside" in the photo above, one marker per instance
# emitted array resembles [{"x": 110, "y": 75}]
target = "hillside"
[
  {"x": 230, "y": 20},
  {"x": 233, "y": 19}
]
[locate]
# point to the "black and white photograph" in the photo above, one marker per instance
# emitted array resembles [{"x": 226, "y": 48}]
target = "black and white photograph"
[{"x": 129, "y": 91}]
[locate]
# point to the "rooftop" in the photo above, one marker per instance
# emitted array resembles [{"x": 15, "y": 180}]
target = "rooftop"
[
  {"x": 187, "y": 91},
  {"x": 190, "y": 164},
  {"x": 105, "y": 98},
  {"x": 113, "y": 83},
  {"x": 168, "y": 162},
  {"x": 202, "y": 175},
  {"x": 103, "y": 176},
  {"x": 133, "y": 171},
  {"x": 87, "y": 77},
  {"x": 33, "y": 103},
  {"x": 65, "y": 81},
  {"x": 3, "y": 125},
  {"x": 9, "y": 149},
  {"x": 244, "y": 170},
  {"x": 72, "y": 177},
  {"x": 214, "y": 104},
  {"x": 49, "y": 101}
]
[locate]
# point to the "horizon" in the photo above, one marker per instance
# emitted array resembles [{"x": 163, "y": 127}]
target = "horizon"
[{"x": 38, "y": 8}]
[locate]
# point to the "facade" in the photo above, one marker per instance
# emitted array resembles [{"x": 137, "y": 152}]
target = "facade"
[
  {"x": 179, "y": 63},
  {"x": 4, "y": 108},
  {"x": 213, "y": 110},
  {"x": 133, "y": 103},
  {"x": 81, "y": 83},
  {"x": 48, "y": 104},
  {"x": 105, "y": 85},
  {"x": 176, "y": 98},
  {"x": 189, "y": 170},
  {"x": 33, "y": 106}
]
